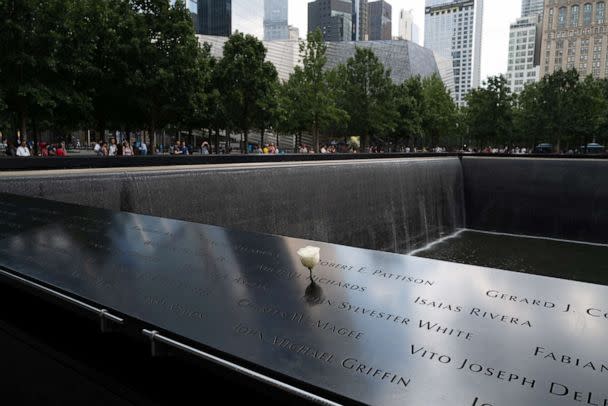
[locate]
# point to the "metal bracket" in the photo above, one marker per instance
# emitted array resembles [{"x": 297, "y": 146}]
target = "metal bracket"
[
  {"x": 106, "y": 319},
  {"x": 153, "y": 346},
  {"x": 156, "y": 338}
]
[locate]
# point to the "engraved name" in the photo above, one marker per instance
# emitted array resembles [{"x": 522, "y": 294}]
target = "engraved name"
[
  {"x": 363, "y": 368},
  {"x": 378, "y": 273},
  {"x": 473, "y": 367},
  {"x": 570, "y": 360}
]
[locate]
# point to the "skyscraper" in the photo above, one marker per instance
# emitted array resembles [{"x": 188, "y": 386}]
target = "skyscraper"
[
  {"x": 453, "y": 29},
  {"x": 575, "y": 35},
  {"x": 524, "y": 46},
  {"x": 523, "y": 66},
  {"x": 224, "y": 17},
  {"x": 360, "y": 20},
  {"x": 407, "y": 29},
  {"x": 532, "y": 7},
  {"x": 333, "y": 17},
  {"x": 215, "y": 17},
  {"x": 380, "y": 20},
  {"x": 276, "y": 26}
]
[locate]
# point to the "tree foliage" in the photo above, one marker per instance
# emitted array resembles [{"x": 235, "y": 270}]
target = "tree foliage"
[
  {"x": 562, "y": 109},
  {"x": 365, "y": 92},
  {"x": 310, "y": 86},
  {"x": 439, "y": 112},
  {"x": 247, "y": 80},
  {"x": 490, "y": 112},
  {"x": 137, "y": 64}
]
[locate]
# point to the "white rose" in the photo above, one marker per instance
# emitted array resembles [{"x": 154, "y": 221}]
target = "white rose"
[{"x": 309, "y": 256}]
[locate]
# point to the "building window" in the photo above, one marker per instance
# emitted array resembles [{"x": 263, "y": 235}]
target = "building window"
[
  {"x": 600, "y": 12},
  {"x": 574, "y": 15},
  {"x": 561, "y": 20},
  {"x": 587, "y": 14}
]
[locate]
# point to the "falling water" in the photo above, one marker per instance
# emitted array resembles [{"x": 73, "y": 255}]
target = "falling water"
[{"x": 391, "y": 205}]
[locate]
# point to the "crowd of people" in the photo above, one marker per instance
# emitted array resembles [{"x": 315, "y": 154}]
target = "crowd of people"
[
  {"x": 115, "y": 148},
  {"x": 26, "y": 149}
]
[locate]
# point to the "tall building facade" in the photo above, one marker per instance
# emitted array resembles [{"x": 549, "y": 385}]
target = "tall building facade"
[
  {"x": 407, "y": 29},
  {"x": 294, "y": 33},
  {"x": 224, "y": 17},
  {"x": 360, "y": 19},
  {"x": 215, "y": 17},
  {"x": 339, "y": 20},
  {"x": 333, "y": 17},
  {"x": 523, "y": 65},
  {"x": 276, "y": 26},
  {"x": 575, "y": 35},
  {"x": 380, "y": 19},
  {"x": 525, "y": 38},
  {"x": 404, "y": 59},
  {"x": 453, "y": 29},
  {"x": 532, "y": 7}
]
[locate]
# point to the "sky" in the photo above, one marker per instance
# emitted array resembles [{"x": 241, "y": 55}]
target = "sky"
[{"x": 498, "y": 15}]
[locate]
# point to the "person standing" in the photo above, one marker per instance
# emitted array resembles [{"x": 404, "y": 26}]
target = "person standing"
[
  {"x": 143, "y": 148},
  {"x": 61, "y": 150},
  {"x": 184, "y": 149},
  {"x": 97, "y": 148},
  {"x": 113, "y": 150},
  {"x": 10, "y": 149},
  {"x": 23, "y": 150},
  {"x": 176, "y": 149},
  {"x": 126, "y": 149}
]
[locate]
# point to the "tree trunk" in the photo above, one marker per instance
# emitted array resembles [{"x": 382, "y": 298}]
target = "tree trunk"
[
  {"x": 217, "y": 141},
  {"x": 246, "y": 141},
  {"x": 35, "y": 137},
  {"x": 363, "y": 142},
  {"x": 22, "y": 126},
  {"x": 298, "y": 141},
  {"x": 262, "y": 138},
  {"x": 315, "y": 138},
  {"x": 153, "y": 139},
  {"x": 101, "y": 130}
]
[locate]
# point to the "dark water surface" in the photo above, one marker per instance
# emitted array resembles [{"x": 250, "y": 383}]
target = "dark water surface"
[{"x": 559, "y": 259}]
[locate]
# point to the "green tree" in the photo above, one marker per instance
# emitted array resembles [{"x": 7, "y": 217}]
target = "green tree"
[
  {"x": 439, "y": 110},
  {"x": 530, "y": 119},
  {"x": 215, "y": 111},
  {"x": 367, "y": 96},
  {"x": 32, "y": 36},
  {"x": 267, "y": 101},
  {"x": 196, "y": 108},
  {"x": 589, "y": 112},
  {"x": 246, "y": 77},
  {"x": 409, "y": 104},
  {"x": 292, "y": 117},
  {"x": 557, "y": 91},
  {"x": 166, "y": 75},
  {"x": 105, "y": 39},
  {"x": 317, "y": 102},
  {"x": 490, "y": 112}
]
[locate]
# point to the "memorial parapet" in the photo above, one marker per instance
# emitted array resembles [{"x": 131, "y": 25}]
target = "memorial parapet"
[{"x": 370, "y": 327}]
